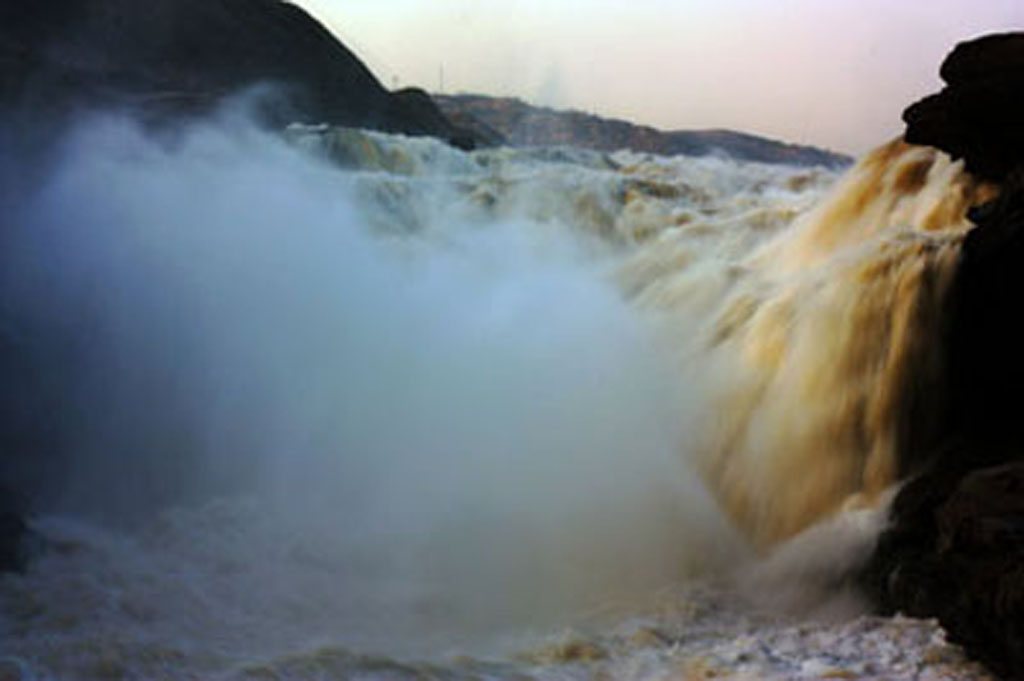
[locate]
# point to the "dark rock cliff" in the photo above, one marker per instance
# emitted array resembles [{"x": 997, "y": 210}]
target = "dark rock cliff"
[
  {"x": 955, "y": 546},
  {"x": 162, "y": 62},
  {"x": 977, "y": 115},
  {"x": 178, "y": 57}
]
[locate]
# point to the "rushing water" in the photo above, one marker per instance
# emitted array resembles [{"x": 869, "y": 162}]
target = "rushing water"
[{"x": 341, "y": 399}]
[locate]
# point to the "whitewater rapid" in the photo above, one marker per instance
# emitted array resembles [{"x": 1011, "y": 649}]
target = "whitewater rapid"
[{"x": 341, "y": 401}]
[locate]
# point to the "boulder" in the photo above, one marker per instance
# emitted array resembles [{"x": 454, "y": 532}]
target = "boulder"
[{"x": 956, "y": 552}]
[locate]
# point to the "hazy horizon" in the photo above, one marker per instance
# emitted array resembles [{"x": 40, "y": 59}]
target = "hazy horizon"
[{"x": 834, "y": 75}]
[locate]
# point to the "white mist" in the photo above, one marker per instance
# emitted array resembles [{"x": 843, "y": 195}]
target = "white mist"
[{"x": 455, "y": 432}]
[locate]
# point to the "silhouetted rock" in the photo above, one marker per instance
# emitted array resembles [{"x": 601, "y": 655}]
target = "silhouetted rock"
[
  {"x": 986, "y": 365},
  {"x": 956, "y": 552},
  {"x": 183, "y": 56},
  {"x": 521, "y": 124},
  {"x": 955, "y": 549},
  {"x": 977, "y": 115},
  {"x": 955, "y": 546}
]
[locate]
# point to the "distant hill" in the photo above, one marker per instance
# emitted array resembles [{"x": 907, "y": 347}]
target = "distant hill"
[{"x": 520, "y": 124}]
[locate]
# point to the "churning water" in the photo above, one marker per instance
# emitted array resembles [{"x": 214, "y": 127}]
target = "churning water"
[{"x": 338, "y": 399}]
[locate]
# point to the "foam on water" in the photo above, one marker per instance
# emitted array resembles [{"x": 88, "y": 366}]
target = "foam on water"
[
  {"x": 434, "y": 434},
  {"x": 338, "y": 393},
  {"x": 817, "y": 346}
]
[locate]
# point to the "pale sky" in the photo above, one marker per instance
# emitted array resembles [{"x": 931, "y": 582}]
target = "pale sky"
[{"x": 834, "y": 73}]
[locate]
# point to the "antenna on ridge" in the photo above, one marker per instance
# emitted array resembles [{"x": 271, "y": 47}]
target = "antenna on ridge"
[{"x": 440, "y": 79}]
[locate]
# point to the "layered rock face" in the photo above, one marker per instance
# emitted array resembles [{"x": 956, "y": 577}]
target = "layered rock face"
[{"x": 955, "y": 549}]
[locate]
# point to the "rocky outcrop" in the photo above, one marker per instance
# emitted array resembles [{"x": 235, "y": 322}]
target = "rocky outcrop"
[
  {"x": 178, "y": 57},
  {"x": 955, "y": 546},
  {"x": 977, "y": 115},
  {"x": 521, "y": 124},
  {"x": 956, "y": 553},
  {"x": 986, "y": 338}
]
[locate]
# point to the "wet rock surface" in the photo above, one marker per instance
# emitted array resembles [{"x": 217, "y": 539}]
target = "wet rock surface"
[
  {"x": 955, "y": 553},
  {"x": 955, "y": 546}
]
